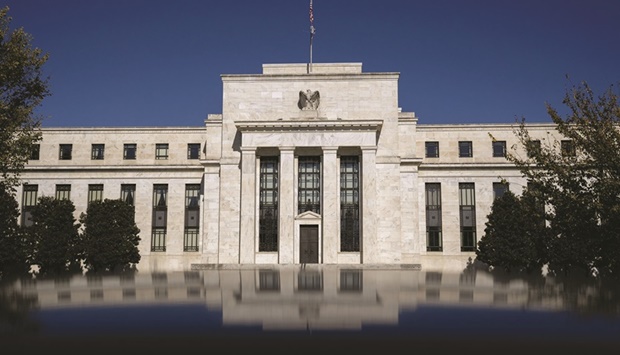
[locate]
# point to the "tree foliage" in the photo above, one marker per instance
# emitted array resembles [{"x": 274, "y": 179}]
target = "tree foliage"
[
  {"x": 581, "y": 190},
  {"x": 55, "y": 236},
  {"x": 13, "y": 247},
  {"x": 22, "y": 89},
  {"x": 110, "y": 236},
  {"x": 514, "y": 235}
]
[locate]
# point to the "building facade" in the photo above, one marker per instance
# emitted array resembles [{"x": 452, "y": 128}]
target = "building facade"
[{"x": 299, "y": 168}]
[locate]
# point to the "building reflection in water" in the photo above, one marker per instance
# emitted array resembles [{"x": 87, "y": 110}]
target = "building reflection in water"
[{"x": 312, "y": 298}]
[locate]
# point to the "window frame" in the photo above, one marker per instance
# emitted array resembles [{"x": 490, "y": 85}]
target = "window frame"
[
  {"x": 431, "y": 149},
  {"x": 161, "y": 151},
  {"x": 505, "y": 186},
  {"x": 432, "y": 197},
  {"x": 65, "y": 151},
  {"x": 97, "y": 151},
  {"x": 309, "y": 184},
  {"x": 193, "y": 151},
  {"x": 499, "y": 149},
  {"x": 350, "y": 169},
  {"x": 567, "y": 148},
  {"x": 63, "y": 192},
  {"x": 533, "y": 147},
  {"x": 35, "y": 152},
  {"x": 128, "y": 191},
  {"x": 130, "y": 151},
  {"x": 95, "y": 193},
  {"x": 467, "y": 203},
  {"x": 269, "y": 184},
  {"x": 470, "y": 149}
]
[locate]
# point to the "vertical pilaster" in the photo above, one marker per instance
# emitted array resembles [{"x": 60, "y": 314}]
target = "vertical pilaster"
[
  {"x": 247, "y": 233},
  {"x": 369, "y": 204},
  {"x": 331, "y": 206},
  {"x": 211, "y": 213},
  {"x": 286, "y": 205}
]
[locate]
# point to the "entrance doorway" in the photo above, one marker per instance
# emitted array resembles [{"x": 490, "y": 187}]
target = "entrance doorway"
[{"x": 309, "y": 243}]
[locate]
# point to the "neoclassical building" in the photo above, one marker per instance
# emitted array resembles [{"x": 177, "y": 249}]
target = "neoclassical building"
[{"x": 301, "y": 167}]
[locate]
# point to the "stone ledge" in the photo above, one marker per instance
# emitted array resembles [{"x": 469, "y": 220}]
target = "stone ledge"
[{"x": 306, "y": 266}]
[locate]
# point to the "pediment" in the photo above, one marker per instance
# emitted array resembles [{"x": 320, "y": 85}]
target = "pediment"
[{"x": 308, "y": 215}]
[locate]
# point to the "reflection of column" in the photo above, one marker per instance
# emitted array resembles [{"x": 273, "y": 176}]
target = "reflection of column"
[
  {"x": 330, "y": 201},
  {"x": 369, "y": 203},
  {"x": 247, "y": 233},
  {"x": 286, "y": 204}
]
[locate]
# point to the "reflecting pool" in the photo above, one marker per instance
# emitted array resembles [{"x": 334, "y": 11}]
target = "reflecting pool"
[{"x": 313, "y": 307}]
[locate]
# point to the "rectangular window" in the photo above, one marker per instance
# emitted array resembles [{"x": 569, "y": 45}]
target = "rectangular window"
[
  {"x": 35, "y": 150},
  {"x": 309, "y": 185},
  {"x": 161, "y": 151},
  {"x": 432, "y": 149},
  {"x": 97, "y": 151},
  {"x": 499, "y": 149},
  {"x": 465, "y": 149},
  {"x": 63, "y": 192},
  {"x": 467, "y": 209},
  {"x": 29, "y": 200},
  {"x": 532, "y": 148},
  {"x": 160, "y": 215},
  {"x": 268, "y": 205},
  {"x": 193, "y": 151},
  {"x": 433, "y": 217},
  {"x": 95, "y": 192},
  {"x": 129, "y": 151},
  {"x": 349, "y": 203},
  {"x": 192, "y": 216},
  {"x": 499, "y": 188},
  {"x": 128, "y": 193},
  {"x": 65, "y": 151},
  {"x": 567, "y": 148}
]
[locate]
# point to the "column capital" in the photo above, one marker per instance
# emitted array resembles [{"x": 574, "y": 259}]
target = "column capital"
[
  {"x": 330, "y": 149},
  {"x": 368, "y": 148},
  {"x": 287, "y": 149},
  {"x": 247, "y": 149}
]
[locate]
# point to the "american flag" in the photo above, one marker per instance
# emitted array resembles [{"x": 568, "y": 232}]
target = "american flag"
[{"x": 311, "y": 20}]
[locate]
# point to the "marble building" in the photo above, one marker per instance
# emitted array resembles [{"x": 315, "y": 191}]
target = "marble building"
[{"x": 299, "y": 168}]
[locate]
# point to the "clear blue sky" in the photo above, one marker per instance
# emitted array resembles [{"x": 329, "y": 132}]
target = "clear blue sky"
[{"x": 158, "y": 62}]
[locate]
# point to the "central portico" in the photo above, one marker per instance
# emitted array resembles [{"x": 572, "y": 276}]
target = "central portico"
[{"x": 304, "y": 153}]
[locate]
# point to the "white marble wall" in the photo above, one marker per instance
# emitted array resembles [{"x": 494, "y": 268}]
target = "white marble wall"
[{"x": 358, "y": 112}]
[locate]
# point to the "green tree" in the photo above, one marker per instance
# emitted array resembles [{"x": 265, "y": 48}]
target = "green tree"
[
  {"x": 13, "y": 247},
  {"x": 581, "y": 190},
  {"x": 110, "y": 236},
  {"x": 22, "y": 89},
  {"x": 55, "y": 236},
  {"x": 513, "y": 237}
]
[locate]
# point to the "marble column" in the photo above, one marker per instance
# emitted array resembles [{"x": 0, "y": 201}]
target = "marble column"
[
  {"x": 331, "y": 206},
  {"x": 247, "y": 232},
  {"x": 369, "y": 205},
  {"x": 286, "y": 205},
  {"x": 210, "y": 214}
]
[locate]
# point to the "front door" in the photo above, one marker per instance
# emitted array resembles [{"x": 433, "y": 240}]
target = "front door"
[{"x": 309, "y": 244}]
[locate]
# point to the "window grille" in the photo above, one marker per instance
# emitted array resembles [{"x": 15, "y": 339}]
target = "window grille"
[
  {"x": 349, "y": 203},
  {"x": 309, "y": 185},
  {"x": 268, "y": 205},
  {"x": 433, "y": 217}
]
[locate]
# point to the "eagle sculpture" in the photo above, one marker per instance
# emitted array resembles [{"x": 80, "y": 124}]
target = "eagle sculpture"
[{"x": 308, "y": 100}]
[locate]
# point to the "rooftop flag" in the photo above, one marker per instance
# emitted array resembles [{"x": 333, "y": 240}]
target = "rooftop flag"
[
  {"x": 311, "y": 13},
  {"x": 311, "y": 20}
]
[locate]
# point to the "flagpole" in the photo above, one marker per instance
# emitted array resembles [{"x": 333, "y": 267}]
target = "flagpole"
[{"x": 311, "y": 36}]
